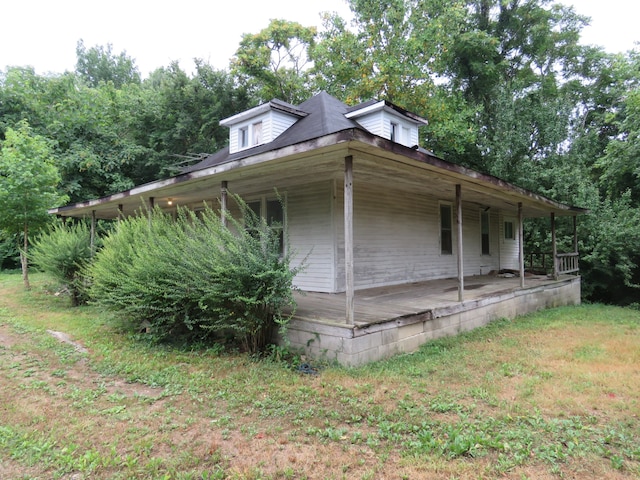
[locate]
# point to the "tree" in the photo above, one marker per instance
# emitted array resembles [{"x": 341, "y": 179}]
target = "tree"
[
  {"x": 273, "y": 63},
  {"x": 99, "y": 64},
  {"x": 394, "y": 51},
  {"x": 28, "y": 181}
]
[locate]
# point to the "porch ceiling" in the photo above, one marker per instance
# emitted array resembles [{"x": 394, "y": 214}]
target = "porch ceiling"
[{"x": 376, "y": 160}]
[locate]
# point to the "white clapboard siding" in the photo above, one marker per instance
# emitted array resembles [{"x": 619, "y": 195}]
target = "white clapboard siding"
[
  {"x": 509, "y": 248},
  {"x": 396, "y": 238},
  {"x": 310, "y": 227},
  {"x": 474, "y": 262},
  {"x": 279, "y": 122}
]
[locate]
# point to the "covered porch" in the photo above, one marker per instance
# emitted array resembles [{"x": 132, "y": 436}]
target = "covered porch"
[{"x": 398, "y": 319}]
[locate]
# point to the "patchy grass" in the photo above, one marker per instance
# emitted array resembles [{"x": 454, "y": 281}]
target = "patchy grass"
[{"x": 551, "y": 395}]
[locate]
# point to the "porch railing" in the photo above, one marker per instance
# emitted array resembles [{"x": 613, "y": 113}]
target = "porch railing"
[
  {"x": 543, "y": 262},
  {"x": 567, "y": 263}
]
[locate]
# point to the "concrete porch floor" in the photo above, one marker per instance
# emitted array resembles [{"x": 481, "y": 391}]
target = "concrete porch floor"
[
  {"x": 382, "y": 304},
  {"x": 399, "y": 319}
]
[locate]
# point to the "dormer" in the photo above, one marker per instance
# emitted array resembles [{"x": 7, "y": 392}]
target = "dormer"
[
  {"x": 387, "y": 120},
  {"x": 260, "y": 125}
]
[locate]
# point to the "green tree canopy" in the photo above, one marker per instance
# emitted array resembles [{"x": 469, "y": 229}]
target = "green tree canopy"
[
  {"x": 28, "y": 181},
  {"x": 99, "y": 64},
  {"x": 273, "y": 63}
]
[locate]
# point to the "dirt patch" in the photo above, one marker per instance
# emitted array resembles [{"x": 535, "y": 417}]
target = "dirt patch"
[
  {"x": 63, "y": 337},
  {"x": 7, "y": 339}
]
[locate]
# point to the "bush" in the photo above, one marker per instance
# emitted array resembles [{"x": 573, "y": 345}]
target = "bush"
[
  {"x": 64, "y": 252},
  {"x": 194, "y": 278}
]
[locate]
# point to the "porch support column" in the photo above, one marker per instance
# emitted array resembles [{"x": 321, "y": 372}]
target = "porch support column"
[
  {"x": 92, "y": 232},
  {"x": 152, "y": 204},
  {"x": 120, "y": 209},
  {"x": 460, "y": 253},
  {"x": 554, "y": 246},
  {"x": 348, "y": 237},
  {"x": 575, "y": 234},
  {"x": 223, "y": 202},
  {"x": 521, "y": 244}
]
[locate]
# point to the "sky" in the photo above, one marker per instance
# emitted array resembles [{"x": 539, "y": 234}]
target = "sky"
[{"x": 43, "y": 33}]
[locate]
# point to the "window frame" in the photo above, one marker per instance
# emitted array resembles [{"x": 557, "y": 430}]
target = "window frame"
[
  {"x": 485, "y": 213},
  {"x": 263, "y": 201},
  {"x": 442, "y": 229},
  {"x": 511, "y": 230}
]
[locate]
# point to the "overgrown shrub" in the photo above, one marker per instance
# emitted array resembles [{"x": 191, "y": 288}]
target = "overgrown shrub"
[
  {"x": 194, "y": 277},
  {"x": 64, "y": 251}
]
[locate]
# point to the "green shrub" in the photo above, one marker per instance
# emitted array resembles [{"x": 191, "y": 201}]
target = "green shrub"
[
  {"x": 194, "y": 278},
  {"x": 63, "y": 252}
]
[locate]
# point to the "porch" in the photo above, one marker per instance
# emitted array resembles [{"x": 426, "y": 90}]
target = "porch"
[{"x": 398, "y": 319}]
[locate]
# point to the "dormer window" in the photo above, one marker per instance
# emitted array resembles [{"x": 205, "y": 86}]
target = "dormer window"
[
  {"x": 388, "y": 121},
  {"x": 260, "y": 125},
  {"x": 395, "y": 132},
  {"x": 243, "y": 137},
  {"x": 256, "y": 134}
]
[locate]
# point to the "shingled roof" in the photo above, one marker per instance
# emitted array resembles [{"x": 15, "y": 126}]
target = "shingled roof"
[{"x": 325, "y": 115}]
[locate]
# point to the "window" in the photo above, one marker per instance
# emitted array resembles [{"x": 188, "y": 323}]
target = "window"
[
  {"x": 484, "y": 232},
  {"x": 446, "y": 231},
  {"x": 272, "y": 211},
  {"x": 256, "y": 134},
  {"x": 508, "y": 230},
  {"x": 243, "y": 137},
  {"x": 395, "y": 132}
]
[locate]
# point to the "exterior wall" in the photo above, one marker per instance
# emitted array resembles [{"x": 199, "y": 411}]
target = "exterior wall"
[
  {"x": 379, "y": 123},
  {"x": 308, "y": 217},
  {"x": 352, "y": 346},
  {"x": 310, "y": 224},
  {"x": 397, "y": 239},
  {"x": 509, "y": 248},
  {"x": 273, "y": 124}
]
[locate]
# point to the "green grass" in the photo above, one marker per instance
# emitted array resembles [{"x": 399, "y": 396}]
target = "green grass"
[{"x": 551, "y": 394}]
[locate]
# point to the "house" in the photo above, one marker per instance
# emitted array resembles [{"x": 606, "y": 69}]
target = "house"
[{"x": 400, "y": 244}]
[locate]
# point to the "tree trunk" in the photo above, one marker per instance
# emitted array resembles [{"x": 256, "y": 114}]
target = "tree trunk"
[{"x": 24, "y": 261}]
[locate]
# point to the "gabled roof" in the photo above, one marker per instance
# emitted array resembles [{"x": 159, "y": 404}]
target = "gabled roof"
[
  {"x": 274, "y": 104},
  {"x": 377, "y": 105},
  {"x": 323, "y": 115}
]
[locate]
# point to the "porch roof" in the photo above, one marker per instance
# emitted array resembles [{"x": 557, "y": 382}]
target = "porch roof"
[{"x": 376, "y": 160}]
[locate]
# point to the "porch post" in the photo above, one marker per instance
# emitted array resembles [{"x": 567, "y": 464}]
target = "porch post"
[
  {"x": 152, "y": 203},
  {"x": 348, "y": 236},
  {"x": 575, "y": 234},
  {"x": 92, "y": 234},
  {"x": 554, "y": 246},
  {"x": 521, "y": 244},
  {"x": 223, "y": 202},
  {"x": 120, "y": 209},
  {"x": 460, "y": 253}
]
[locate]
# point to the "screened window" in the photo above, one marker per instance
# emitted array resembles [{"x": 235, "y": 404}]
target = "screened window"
[
  {"x": 446, "y": 231},
  {"x": 484, "y": 232}
]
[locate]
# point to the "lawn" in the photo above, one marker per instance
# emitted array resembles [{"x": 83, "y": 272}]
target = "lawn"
[{"x": 550, "y": 395}]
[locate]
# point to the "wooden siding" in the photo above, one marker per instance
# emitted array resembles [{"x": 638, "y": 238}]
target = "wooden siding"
[
  {"x": 379, "y": 123},
  {"x": 311, "y": 235},
  {"x": 509, "y": 247},
  {"x": 397, "y": 239},
  {"x": 279, "y": 122},
  {"x": 273, "y": 124},
  {"x": 474, "y": 262}
]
